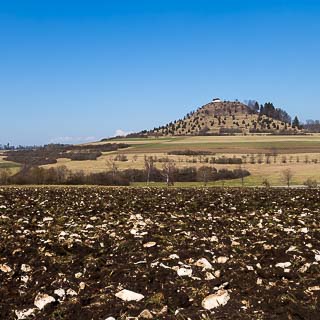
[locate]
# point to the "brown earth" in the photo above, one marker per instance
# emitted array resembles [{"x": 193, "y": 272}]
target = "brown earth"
[{"x": 93, "y": 241}]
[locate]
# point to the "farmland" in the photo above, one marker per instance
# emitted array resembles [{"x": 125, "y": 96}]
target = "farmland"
[
  {"x": 301, "y": 154},
  {"x": 182, "y": 253}
]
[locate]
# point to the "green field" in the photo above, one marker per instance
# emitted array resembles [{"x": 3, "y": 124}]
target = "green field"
[
  {"x": 227, "y": 144},
  {"x": 9, "y": 165}
]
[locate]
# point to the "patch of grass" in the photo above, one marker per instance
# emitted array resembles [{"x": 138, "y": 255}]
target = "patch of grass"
[{"x": 9, "y": 165}]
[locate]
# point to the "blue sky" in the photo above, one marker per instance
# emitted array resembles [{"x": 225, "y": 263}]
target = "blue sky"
[{"x": 72, "y": 71}]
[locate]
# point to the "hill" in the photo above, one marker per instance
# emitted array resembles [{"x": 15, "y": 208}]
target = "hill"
[{"x": 228, "y": 117}]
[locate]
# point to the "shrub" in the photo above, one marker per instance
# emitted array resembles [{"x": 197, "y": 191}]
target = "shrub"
[
  {"x": 266, "y": 183},
  {"x": 311, "y": 183}
]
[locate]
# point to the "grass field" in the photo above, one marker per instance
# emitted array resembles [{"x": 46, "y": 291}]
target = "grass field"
[
  {"x": 12, "y": 166},
  {"x": 227, "y": 144},
  {"x": 301, "y": 154}
]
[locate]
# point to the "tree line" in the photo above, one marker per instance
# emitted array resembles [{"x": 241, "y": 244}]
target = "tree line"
[
  {"x": 169, "y": 174},
  {"x": 49, "y": 154}
]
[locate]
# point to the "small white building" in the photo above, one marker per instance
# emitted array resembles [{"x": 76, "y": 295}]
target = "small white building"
[{"x": 216, "y": 100}]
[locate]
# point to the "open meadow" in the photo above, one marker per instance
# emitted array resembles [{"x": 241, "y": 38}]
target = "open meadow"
[{"x": 143, "y": 253}]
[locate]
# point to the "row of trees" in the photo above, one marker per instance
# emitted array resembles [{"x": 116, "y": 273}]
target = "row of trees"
[
  {"x": 49, "y": 154},
  {"x": 269, "y": 110},
  {"x": 168, "y": 173},
  {"x": 189, "y": 174}
]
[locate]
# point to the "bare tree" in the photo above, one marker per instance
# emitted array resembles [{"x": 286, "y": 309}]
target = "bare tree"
[
  {"x": 266, "y": 183},
  {"x": 287, "y": 176},
  {"x": 112, "y": 166},
  {"x": 149, "y": 165},
  {"x": 274, "y": 153},
  {"x": 62, "y": 174},
  {"x": 168, "y": 169},
  {"x": 242, "y": 176},
  {"x": 311, "y": 183},
  {"x": 205, "y": 174},
  {"x": 4, "y": 176},
  {"x": 267, "y": 157}
]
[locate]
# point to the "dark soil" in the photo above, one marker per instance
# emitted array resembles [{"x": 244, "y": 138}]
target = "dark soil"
[{"x": 94, "y": 245}]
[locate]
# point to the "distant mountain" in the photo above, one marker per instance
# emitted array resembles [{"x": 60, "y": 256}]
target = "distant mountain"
[{"x": 229, "y": 117}]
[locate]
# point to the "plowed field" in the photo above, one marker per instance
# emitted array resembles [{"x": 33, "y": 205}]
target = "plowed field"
[{"x": 72, "y": 253}]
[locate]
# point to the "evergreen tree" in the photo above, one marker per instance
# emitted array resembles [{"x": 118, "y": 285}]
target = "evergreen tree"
[{"x": 296, "y": 122}]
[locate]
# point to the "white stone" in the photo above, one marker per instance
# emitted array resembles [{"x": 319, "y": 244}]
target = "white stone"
[
  {"x": 283, "y": 265},
  {"x": 145, "y": 314},
  {"x": 24, "y": 314},
  {"x": 292, "y": 248},
  {"x": 217, "y": 273},
  {"x": 60, "y": 292},
  {"x": 78, "y": 275},
  {"x": 71, "y": 292},
  {"x": 149, "y": 244},
  {"x": 305, "y": 267},
  {"x": 315, "y": 288},
  {"x": 304, "y": 230},
  {"x": 134, "y": 231},
  {"x": 5, "y": 268},
  {"x": 25, "y": 268},
  {"x": 209, "y": 276},
  {"x": 222, "y": 259},
  {"x": 214, "y": 239},
  {"x": 127, "y": 295},
  {"x": 183, "y": 272},
  {"x": 42, "y": 299},
  {"x": 174, "y": 256},
  {"x": 203, "y": 263},
  {"x": 216, "y": 300}
]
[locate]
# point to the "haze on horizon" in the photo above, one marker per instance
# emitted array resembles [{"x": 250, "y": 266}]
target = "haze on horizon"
[{"x": 73, "y": 71}]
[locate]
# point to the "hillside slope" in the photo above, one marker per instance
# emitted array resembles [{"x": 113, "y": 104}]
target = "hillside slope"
[{"x": 223, "y": 117}]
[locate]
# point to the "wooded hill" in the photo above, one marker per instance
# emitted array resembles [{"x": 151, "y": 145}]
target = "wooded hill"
[{"x": 230, "y": 117}]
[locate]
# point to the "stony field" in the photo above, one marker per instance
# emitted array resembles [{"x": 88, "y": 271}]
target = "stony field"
[{"x": 142, "y": 253}]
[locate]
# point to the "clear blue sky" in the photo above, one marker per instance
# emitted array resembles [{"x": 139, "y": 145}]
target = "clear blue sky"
[{"x": 77, "y": 70}]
